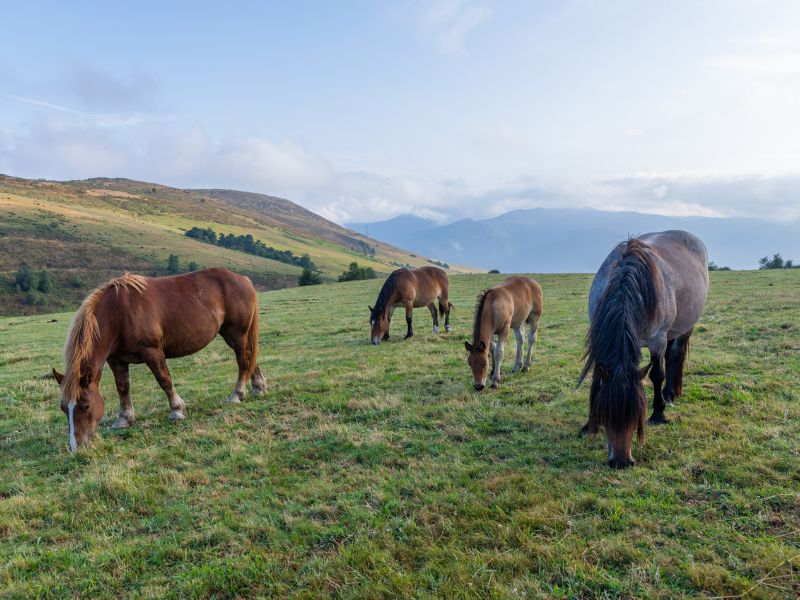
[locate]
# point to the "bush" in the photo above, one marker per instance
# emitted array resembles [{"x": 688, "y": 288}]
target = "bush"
[
  {"x": 494, "y": 271},
  {"x": 173, "y": 265},
  {"x": 309, "y": 277},
  {"x": 712, "y": 266},
  {"x": 776, "y": 262},
  {"x": 193, "y": 266},
  {"x": 356, "y": 273},
  {"x": 24, "y": 278},
  {"x": 46, "y": 282}
]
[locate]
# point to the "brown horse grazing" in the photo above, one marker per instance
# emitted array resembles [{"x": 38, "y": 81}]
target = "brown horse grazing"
[
  {"x": 135, "y": 319},
  {"x": 650, "y": 291},
  {"x": 410, "y": 288},
  {"x": 506, "y": 306}
]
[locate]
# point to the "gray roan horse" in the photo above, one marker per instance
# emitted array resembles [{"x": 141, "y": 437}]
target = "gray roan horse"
[{"x": 650, "y": 291}]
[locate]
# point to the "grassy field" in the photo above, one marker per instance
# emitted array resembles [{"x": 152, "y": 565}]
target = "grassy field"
[{"x": 377, "y": 471}]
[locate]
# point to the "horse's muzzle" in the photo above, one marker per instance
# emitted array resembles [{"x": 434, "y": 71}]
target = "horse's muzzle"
[
  {"x": 376, "y": 340},
  {"x": 621, "y": 464}
]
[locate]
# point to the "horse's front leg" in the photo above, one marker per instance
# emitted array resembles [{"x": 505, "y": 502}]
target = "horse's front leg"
[
  {"x": 157, "y": 363},
  {"x": 122, "y": 379},
  {"x": 533, "y": 328},
  {"x": 409, "y": 309},
  {"x": 657, "y": 352},
  {"x": 520, "y": 344},
  {"x": 498, "y": 356}
]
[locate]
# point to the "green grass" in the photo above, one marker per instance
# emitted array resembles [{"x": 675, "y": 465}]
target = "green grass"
[{"x": 377, "y": 471}]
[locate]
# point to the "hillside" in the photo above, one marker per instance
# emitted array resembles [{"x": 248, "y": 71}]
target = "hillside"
[
  {"x": 84, "y": 232},
  {"x": 376, "y": 471},
  {"x": 544, "y": 240}
]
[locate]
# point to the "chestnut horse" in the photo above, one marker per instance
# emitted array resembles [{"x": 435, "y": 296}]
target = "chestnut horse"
[
  {"x": 410, "y": 288},
  {"x": 650, "y": 291},
  {"x": 506, "y": 306},
  {"x": 135, "y": 319}
]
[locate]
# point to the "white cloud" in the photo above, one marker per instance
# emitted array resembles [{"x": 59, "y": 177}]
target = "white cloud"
[{"x": 449, "y": 22}]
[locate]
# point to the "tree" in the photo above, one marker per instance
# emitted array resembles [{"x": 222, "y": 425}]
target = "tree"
[
  {"x": 494, "y": 271},
  {"x": 193, "y": 266},
  {"x": 309, "y": 277},
  {"x": 46, "y": 282},
  {"x": 776, "y": 262},
  {"x": 173, "y": 265}
]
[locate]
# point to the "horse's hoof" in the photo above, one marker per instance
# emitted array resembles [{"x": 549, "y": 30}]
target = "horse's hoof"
[
  {"x": 176, "y": 415},
  {"x": 584, "y": 431},
  {"x": 259, "y": 390},
  {"x": 447, "y": 328},
  {"x": 122, "y": 422},
  {"x": 408, "y": 335},
  {"x": 494, "y": 385},
  {"x": 657, "y": 420},
  {"x": 234, "y": 398},
  {"x": 435, "y": 329}
]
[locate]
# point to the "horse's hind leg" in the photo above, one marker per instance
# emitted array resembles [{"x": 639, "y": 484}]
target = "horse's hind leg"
[
  {"x": 122, "y": 379},
  {"x": 520, "y": 343},
  {"x": 258, "y": 382},
  {"x": 158, "y": 365},
  {"x": 676, "y": 360},
  {"x": 432, "y": 308},
  {"x": 533, "y": 328},
  {"x": 237, "y": 340}
]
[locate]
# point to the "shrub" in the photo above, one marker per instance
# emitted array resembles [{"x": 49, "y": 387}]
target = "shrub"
[
  {"x": 24, "y": 278},
  {"x": 173, "y": 265},
  {"x": 309, "y": 277},
  {"x": 356, "y": 273},
  {"x": 776, "y": 262},
  {"x": 193, "y": 266},
  {"x": 46, "y": 282},
  {"x": 494, "y": 271},
  {"x": 712, "y": 266}
]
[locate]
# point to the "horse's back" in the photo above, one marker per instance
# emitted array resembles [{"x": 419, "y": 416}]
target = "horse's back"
[{"x": 429, "y": 283}]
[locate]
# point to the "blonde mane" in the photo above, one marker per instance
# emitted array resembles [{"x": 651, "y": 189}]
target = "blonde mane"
[{"x": 84, "y": 331}]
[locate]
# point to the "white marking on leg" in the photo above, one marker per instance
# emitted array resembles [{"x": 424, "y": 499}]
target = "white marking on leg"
[
  {"x": 520, "y": 343},
  {"x": 177, "y": 405},
  {"x": 435, "y": 329},
  {"x": 73, "y": 445}
]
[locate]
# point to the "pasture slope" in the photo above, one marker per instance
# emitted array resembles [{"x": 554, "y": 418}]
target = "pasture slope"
[{"x": 376, "y": 472}]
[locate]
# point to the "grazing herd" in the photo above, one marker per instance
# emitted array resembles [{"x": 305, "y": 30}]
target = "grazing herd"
[{"x": 649, "y": 291}]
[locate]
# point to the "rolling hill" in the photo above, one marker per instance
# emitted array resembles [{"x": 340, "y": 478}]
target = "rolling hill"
[
  {"x": 84, "y": 232},
  {"x": 544, "y": 240}
]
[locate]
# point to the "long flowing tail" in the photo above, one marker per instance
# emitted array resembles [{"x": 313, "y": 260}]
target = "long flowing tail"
[{"x": 441, "y": 307}]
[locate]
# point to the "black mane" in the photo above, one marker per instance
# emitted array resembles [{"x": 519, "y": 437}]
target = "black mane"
[
  {"x": 386, "y": 292},
  {"x": 613, "y": 348}
]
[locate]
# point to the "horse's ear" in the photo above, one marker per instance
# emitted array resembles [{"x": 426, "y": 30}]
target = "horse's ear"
[
  {"x": 468, "y": 346},
  {"x": 86, "y": 376},
  {"x": 370, "y": 308},
  {"x": 58, "y": 376},
  {"x": 481, "y": 346},
  {"x": 644, "y": 371}
]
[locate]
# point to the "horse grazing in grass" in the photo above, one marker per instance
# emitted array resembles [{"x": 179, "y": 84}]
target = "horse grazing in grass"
[
  {"x": 410, "y": 288},
  {"x": 650, "y": 291},
  {"x": 506, "y": 306},
  {"x": 135, "y": 319}
]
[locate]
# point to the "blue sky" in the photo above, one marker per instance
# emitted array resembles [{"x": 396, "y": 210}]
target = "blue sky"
[{"x": 451, "y": 108}]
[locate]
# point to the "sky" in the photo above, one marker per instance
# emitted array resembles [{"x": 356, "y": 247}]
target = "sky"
[{"x": 364, "y": 110}]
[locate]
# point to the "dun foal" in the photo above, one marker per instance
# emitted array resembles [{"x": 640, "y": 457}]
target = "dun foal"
[
  {"x": 135, "y": 319},
  {"x": 506, "y": 306},
  {"x": 410, "y": 288}
]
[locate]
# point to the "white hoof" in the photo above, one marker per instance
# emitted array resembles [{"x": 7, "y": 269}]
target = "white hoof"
[
  {"x": 516, "y": 368},
  {"x": 234, "y": 398},
  {"x": 123, "y": 422},
  {"x": 435, "y": 329},
  {"x": 176, "y": 415},
  {"x": 259, "y": 390},
  {"x": 447, "y": 328}
]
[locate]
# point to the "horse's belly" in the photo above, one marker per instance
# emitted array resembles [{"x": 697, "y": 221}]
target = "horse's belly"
[{"x": 185, "y": 344}]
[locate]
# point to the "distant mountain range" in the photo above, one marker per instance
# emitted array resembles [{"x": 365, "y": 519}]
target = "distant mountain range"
[{"x": 544, "y": 240}]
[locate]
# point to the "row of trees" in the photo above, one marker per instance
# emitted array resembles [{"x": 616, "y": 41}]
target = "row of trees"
[
  {"x": 776, "y": 262},
  {"x": 250, "y": 245},
  {"x": 353, "y": 273},
  {"x": 28, "y": 280}
]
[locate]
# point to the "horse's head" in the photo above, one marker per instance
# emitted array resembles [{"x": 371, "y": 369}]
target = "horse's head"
[
  {"x": 611, "y": 388},
  {"x": 379, "y": 325},
  {"x": 83, "y": 404},
  {"x": 478, "y": 361}
]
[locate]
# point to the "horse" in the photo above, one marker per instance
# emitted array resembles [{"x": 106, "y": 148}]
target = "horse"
[
  {"x": 134, "y": 319},
  {"x": 410, "y": 288},
  {"x": 506, "y": 306},
  {"x": 650, "y": 291}
]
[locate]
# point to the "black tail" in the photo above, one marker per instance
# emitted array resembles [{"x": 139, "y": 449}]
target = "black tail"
[
  {"x": 613, "y": 349},
  {"x": 441, "y": 308}
]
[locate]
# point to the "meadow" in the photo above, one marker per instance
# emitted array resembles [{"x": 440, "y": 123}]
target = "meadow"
[{"x": 378, "y": 472}]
